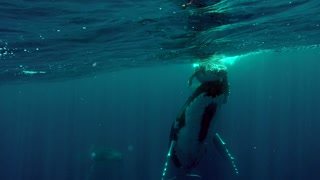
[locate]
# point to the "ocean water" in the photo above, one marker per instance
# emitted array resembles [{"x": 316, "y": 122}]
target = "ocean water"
[{"x": 82, "y": 77}]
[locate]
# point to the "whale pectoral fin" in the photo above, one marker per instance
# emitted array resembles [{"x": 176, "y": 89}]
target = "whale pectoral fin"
[
  {"x": 174, "y": 172},
  {"x": 221, "y": 146},
  {"x": 167, "y": 161},
  {"x": 190, "y": 81}
]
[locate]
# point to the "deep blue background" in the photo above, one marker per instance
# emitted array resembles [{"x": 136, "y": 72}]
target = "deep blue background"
[{"x": 271, "y": 124}]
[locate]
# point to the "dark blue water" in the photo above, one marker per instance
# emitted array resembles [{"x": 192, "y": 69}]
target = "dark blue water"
[
  {"x": 271, "y": 123},
  {"x": 62, "y": 96}
]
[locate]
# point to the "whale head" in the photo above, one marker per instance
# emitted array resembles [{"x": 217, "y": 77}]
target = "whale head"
[{"x": 206, "y": 71}]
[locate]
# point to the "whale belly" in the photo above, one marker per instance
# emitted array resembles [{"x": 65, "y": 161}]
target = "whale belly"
[{"x": 192, "y": 134}]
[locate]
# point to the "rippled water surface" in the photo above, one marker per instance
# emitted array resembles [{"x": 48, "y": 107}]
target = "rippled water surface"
[{"x": 53, "y": 40}]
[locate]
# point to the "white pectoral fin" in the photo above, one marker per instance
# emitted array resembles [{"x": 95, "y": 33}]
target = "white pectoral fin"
[
  {"x": 168, "y": 158},
  {"x": 170, "y": 172},
  {"x": 190, "y": 81},
  {"x": 221, "y": 146}
]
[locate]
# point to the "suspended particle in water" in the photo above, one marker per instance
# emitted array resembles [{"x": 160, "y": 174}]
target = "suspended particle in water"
[
  {"x": 130, "y": 148},
  {"x": 41, "y": 37}
]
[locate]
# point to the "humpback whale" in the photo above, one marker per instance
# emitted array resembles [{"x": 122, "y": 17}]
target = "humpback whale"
[{"x": 194, "y": 126}]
